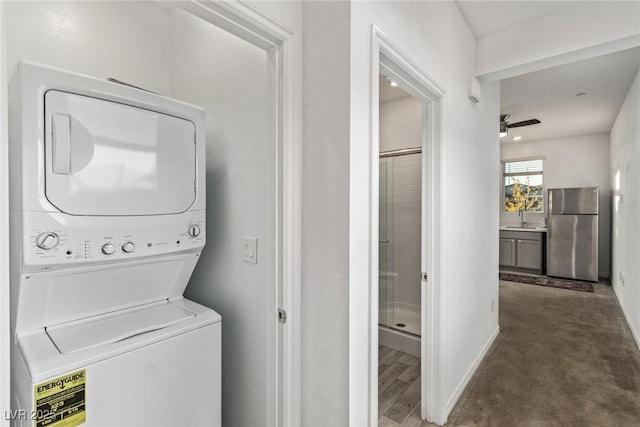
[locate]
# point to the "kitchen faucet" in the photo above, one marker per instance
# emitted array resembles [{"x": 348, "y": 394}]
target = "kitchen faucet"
[{"x": 521, "y": 215}]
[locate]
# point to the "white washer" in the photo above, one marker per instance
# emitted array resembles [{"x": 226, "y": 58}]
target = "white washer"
[{"x": 107, "y": 224}]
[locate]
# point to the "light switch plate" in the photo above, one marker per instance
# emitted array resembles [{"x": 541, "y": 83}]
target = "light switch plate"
[{"x": 250, "y": 250}]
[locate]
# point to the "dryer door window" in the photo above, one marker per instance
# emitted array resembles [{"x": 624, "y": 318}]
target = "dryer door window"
[{"x": 106, "y": 158}]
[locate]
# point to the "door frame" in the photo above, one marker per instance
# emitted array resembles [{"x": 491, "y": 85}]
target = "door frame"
[
  {"x": 5, "y": 341},
  {"x": 281, "y": 46},
  {"x": 389, "y": 59}
]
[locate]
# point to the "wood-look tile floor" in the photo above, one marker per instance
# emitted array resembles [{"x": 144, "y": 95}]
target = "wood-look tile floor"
[{"x": 398, "y": 388}]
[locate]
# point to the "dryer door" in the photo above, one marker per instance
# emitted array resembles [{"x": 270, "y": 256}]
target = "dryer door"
[{"x": 106, "y": 158}]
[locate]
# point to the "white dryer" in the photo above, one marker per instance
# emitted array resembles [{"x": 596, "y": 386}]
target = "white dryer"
[{"x": 107, "y": 224}]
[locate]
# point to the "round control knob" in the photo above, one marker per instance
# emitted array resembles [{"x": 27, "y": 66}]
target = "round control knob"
[
  {"x": 108, "y": 249},
  {"x": 47, "y": 240},
  {"x": 194, "y": 230},
  {"x": 128, "y": 247}
]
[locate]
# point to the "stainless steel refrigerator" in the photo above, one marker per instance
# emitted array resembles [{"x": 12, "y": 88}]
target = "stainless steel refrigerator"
[{"x": 572, "y": 233}]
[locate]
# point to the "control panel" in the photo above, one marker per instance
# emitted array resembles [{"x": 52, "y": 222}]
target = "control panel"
[{"x": 52, "y": 243}]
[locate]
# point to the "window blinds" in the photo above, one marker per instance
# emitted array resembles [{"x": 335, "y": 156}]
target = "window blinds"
[{"x": 523, "y": 167}]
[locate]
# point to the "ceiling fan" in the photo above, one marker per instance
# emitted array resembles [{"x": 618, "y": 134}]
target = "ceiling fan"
[{"x": 505, "y": 125}]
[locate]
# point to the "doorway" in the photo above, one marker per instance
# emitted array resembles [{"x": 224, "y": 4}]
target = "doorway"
[
  {"x": 254, "y": 105},
  {"x": 274, "y": 43},
  {"x": 399, "y": 240},
  {"x": 399, "y": 256},
  {"x": 388, "y": 60}
]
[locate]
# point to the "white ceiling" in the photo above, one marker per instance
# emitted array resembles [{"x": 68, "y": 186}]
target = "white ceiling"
[
  {"x": 550, "y": 95},
  {"x": 388, "y": 92},
  {"x": 486, "y": 17}
]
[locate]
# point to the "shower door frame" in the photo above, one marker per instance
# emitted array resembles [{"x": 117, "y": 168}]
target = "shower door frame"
[
  {"x": 386, "y": 58},
  {"x": 392, "y": 154}
]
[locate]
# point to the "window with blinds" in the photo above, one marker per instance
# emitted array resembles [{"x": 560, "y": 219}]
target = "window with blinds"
[{"x": 523, "y": 185}]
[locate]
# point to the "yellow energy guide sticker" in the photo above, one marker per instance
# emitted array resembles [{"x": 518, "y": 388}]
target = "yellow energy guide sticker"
[{"x": 60, "y": 402}]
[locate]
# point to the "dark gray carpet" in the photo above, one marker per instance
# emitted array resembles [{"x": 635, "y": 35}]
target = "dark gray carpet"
[{"x": 561, "y": 359}]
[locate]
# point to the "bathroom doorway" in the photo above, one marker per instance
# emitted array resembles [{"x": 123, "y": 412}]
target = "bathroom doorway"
[
  {"x": 399, "y": 243},
  {"x": 406, "y": 363},
  {"x": 399, "y": 252}
]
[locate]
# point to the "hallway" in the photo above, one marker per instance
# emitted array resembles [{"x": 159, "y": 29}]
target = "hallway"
[{"x": 562, "y": 358}]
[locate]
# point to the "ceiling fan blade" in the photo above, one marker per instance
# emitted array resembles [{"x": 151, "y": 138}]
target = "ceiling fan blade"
[{"x": 523, "y": 123}]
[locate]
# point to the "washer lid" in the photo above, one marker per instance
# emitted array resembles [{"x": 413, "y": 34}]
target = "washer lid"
[
  {"x": 115, "y": 327},
  {"x": 105, "y": 158}
]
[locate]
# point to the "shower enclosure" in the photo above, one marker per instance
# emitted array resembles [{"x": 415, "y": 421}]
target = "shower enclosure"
[{"x": 400, "y": 243}]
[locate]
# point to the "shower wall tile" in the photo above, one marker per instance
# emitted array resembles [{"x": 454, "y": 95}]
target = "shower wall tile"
[{"x": 407, "y": 187}]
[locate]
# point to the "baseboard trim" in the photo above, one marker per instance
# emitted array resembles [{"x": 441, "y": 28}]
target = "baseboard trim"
[
  {"x": 472, "y": 370},
  {"x": 634, "y": 332}
]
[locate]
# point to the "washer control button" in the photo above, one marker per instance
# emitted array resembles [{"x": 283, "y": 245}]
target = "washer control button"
[
  {"x": 108, "y": 249},
  {"x": 194, "y": 230},
  {"x": 47, "y": 240},
  {"x": 128, "y": 247}
]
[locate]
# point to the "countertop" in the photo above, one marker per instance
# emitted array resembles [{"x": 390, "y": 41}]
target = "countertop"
[{"x": 516, "y": 228}]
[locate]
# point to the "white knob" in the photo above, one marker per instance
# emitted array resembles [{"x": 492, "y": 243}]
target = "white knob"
[
  {"x": 128, "y": 247},
  {"x": 47, "y": 240},
  {"x": 108, "y": 249},
  {"x": 194, "y": 230}
]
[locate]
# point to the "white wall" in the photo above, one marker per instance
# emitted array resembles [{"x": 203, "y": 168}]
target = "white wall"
[
  {"x": 325, "y": 214},
  {"x": 436, "y": 37},
  {"x": 335, "y": 228},
  {"x": 128, "y": 41},
  {"x": 625, "y": 180},
  {"x": 227, "y": 76},
  {"x": 400, "y": 124},
  {"x": 583, "y": 30},
  {"x": 577, "y": 161}
]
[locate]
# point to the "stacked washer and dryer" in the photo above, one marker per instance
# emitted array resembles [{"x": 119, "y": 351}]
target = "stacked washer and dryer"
[{"x": 107, "y": 224}]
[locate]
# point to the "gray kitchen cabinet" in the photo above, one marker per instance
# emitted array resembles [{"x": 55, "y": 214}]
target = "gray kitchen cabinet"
[
  {"x": 522, "y": 250},
  {"x": 529, "y": 254},
  {"x": 508, "y": 252}
]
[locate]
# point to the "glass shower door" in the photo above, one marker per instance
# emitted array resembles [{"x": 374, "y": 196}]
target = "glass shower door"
[{"x": 400, "y": 242}]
